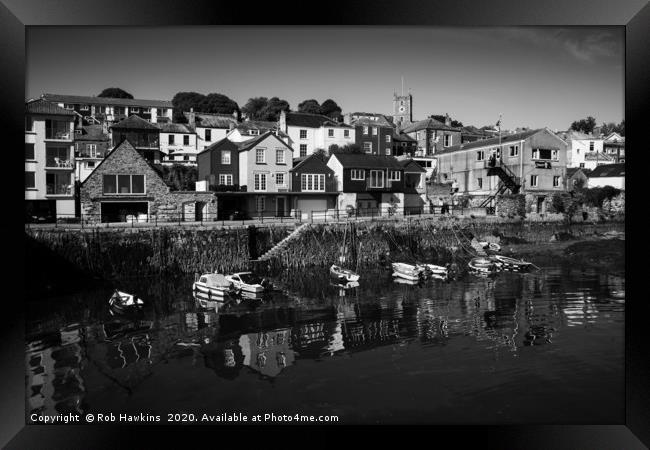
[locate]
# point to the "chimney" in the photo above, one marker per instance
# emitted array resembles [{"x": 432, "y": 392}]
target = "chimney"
[
  {"x": 283, "y": 121},
  {"x": 191, "y": 118},
  {"x": 104, "y": 127},
  {"x": 347, "y": 118},
  {"x": 447, "y": 120}
]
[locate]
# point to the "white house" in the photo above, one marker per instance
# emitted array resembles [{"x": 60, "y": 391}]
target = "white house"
[
  {"x": 309, "y": 132},
  {"x": 607, "y": 175},
  {"x": 49, "y": 160},
  {"x": 581, "y": 144},
  {"x": 210, "y": 128},
  {"x": 178, "y": 144}
]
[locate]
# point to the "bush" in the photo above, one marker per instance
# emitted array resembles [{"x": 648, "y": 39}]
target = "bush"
[
  {"x": 557, "y": 203},
  {"x": 595, "y": 196}
]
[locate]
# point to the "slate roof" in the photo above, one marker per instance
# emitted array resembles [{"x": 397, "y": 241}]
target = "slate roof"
[
  {"x": 380, "y": 121},
  {"x": 313, "y": 158},
  {"x": 250, "y": 143},
  {"x": 42, "y": 107},
  {"x": 136, "y": 123},
  {"x": 364, "y": 161},
  {"x": 491, "y": 141},
  {"x": 431, "y": 124},
  {"x": 92, "y": 133},
  {"x": 220, "y": 143},
  {"x": 175, "y": 128},
  {"x": 412, "y": 165},
  {"x": 89, "y": 100},
  {"x": 208, "y": 120},
  {"x": 608, "y": 170},
  {"x": 308, "y": 120},
  {"x": 571, "y": 171},
  {"x": 401, "y": 137}
]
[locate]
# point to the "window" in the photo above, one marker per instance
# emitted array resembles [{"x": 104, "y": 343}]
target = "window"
[
  {"x": 582, "y": 165},
  {"x": 260, "y": 203},
  {"x": 186, "y": 157},
  {"x": 170, "y": 139},
  {"x": 29, "y": 123},
  {"x": 225, "y": 156},
  {"x": 376, "y": 179},
  {"x": 556, "y": 181},
  {"x": 186, "y": 139},
  {"x": 30, "y": 182},
  {"x": 330, "y": 132},
  {"x": 387, "y": 151},
  {"x": 367, "y": 147},
  {"x": 479, "y": 183},
  {"x": 303, "y": 150},
  {"x": 58, "y": 183},
  {"x": 514, "y": 150},
  {"x": 374, "y": 131},
  {"x": 254, "y": 132},
  {"x": 29, "y": 151},
  {"x": 225, "y": 179},
  {"x": 279, "y": 156},
  {"x": 357, "y": 174},
  {"x": 554, "y": 155},
  {"x": 90, "y": 164},
  {"x": 365, "y": 130},
  {"x": 57, "y": 157},
  {"x": 388, "y": 138},
  {"x": 480, "y": 155},
  {"x": 280, "y": 179},
  {"x": 260, "y": 181},
  {"x": 303, "y": 134},
  {"x": 346, "y": 133},
  {"x": 91, "y": 150},
  {"x": 544, "y": 153},
  {"x": 447, "y": 140},
  {"x": 393, "y": 175},
  {"x": 533, "y": 180},
  {"x": 259, "y": 156},
  {"x": 57, "y": 129},
  {"x": 208, "y": 135},
  {"x": 146, "y": 110},
  {"x": 591, "y": 146},
  {"x": 84, "y": 108},
  {"x": 68, "y": 106},
  {"x": 124, "y": 184},
  {"x": 135, "y": 110},
  {"x": 163, "y": 111},
  {"x": 312, "y": 182}
]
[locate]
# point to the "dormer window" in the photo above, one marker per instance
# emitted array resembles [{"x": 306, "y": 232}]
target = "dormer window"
[{"x": 254, "y": 132}]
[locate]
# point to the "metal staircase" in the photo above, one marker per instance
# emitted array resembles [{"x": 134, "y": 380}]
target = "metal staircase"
[{"x": 508, "y": 182}]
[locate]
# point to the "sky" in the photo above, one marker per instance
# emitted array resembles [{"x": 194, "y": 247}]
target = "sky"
[{"x": 533, "y": 76}]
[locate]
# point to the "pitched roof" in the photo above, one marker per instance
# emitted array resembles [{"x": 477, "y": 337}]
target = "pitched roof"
[
  {"x": 88, "y": 100},
  {"x": 257, "y": 125},
  {"x": 92, "y": 133},
  {"x": 175, "y": 128},
  {"x": 608, "y": 170},
  {"x": 575, "y": 135},
  {"x": 596, "y": 156},
  {"x": 491, "y": 141},
  {"x": 380, "y": 121},
  {"x": 571, "y": 171},
  {"x": 221, "y": 143},
  {"x": 135, "y": 122},
  {"x": 411, "y": 165},
  {"x": 213, "y": 120},
  {"x": 250, "y": 143},
  {"x": 313, "y": 158},
  {"x": 401, "y": 137},
  {"x": 312, "y": 120},
  {"x": 365, "y": 161},
  {"x": 429, "y": 123},
  {"x": 40, "y": 106}
]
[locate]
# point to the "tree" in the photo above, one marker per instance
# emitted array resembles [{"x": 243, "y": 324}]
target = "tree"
[
  {"x": 584, "y": 125},
  {"x": 329, "y": 108},
  {"x": 218, "y": 104},
  {"x": 322, "y": 154},
  {"x": 180, "y": 177},
  {"x": 309, "y": 106},
  {"x": 114, "y": 92},
  {"x": 274, "y": 106},
  {"x": 184, "y": 101},
  {"x": 254, "y": 106},
  {"x": 349, "y": 148}
]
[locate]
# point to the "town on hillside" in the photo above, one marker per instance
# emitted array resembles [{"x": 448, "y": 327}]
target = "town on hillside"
[{"x": 113, "y": 158}]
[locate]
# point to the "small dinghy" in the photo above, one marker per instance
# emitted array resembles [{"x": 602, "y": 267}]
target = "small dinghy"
[
  {"x": 412, "y": 272},
  {"x": 343, "y": 275},
  {"x": 214, "y": 286},
  {"x": 493, "y": 246},
  {"x": 247, "y": 282},
  {"x": 482, "y": 265},
  {"x": 506, "y": 263},
  {"x": 122, "y": 302},
  {"x": 437, "y": 271}
]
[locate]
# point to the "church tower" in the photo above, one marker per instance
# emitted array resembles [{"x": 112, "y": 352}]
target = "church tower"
[{"x": 402, "y": 110}]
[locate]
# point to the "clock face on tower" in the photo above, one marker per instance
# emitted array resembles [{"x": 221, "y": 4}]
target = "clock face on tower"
[{"x": 401, "y": 109}]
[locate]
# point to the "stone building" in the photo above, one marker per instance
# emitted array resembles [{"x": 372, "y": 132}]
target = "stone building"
[{"x": 126, "y": 187}]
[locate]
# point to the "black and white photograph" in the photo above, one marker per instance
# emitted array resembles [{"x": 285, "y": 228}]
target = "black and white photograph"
[{"x": 324, "y": 225}]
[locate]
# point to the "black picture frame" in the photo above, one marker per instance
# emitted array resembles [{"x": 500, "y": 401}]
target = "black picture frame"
[{"x": 15, "y": 15}]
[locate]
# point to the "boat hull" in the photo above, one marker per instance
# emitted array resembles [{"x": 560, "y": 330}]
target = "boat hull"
[{"x": 343, "y": 275}]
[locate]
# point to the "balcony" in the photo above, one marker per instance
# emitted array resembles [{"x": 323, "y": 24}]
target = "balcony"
[
  {"x": 378, "y": 185},
  {"x": 58, "y": 189},
  {"x": 57, "y": 135}
]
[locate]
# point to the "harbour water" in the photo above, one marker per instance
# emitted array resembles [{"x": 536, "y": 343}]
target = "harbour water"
[{"x": 543, "y": 347}]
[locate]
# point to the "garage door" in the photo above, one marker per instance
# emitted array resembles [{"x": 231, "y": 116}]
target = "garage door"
[
  {"x": 118, "y": 211},
  {"x": 307, "y": 205}
]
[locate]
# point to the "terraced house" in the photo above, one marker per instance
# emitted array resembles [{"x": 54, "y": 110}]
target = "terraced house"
[
  {"x": 310, "y": 132},
  {"x": 531, "y": 162},
  {"x": 177, "y": 144},
  {"x": 49, "y": 161}
]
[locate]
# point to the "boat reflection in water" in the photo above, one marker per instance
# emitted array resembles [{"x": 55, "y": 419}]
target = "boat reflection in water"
[{"x": 516, "y": 331}]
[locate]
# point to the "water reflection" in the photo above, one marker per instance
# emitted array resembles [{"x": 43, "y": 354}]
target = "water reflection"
[{"x": 85, "y": 349}]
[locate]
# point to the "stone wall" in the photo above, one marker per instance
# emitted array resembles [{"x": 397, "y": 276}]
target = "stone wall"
[
  {"x": 616, "y": 205},
  {"x": 511, "y": 206}
]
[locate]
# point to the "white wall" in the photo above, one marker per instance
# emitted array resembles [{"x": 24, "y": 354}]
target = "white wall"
[
  {"x": 217, "y": 134},
  {"x": 334, "y": 164},
  {"x": 179, "y": 150},
  {"x": 579, "y": 147},
  {"x": 617, "y": 182}
]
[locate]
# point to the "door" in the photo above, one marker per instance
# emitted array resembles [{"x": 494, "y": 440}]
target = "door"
[
  {"x": 280, "y": 206},
  {"x": 540, "y": 205},
  {"x": 198, "y": 211}
]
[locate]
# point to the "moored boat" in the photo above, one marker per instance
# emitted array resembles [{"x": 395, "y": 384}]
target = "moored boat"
[
  {"x": 122, "y": 302},
  {"x": 408, "y": 271},
  {"x": 507, "y": 263},
  {"x": 343, "y": 275},
  {"x": 493, "y": 246},
  {"x": 213, "y": 285},
  {"x": 482, "y": 265},
  {"x": 247, "y": 282},
  {"x": 435, "y": 269}
]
